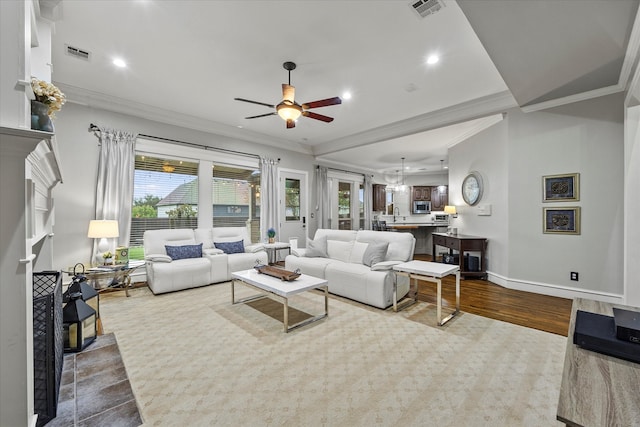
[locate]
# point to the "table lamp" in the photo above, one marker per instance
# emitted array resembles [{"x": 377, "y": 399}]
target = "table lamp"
[
  {"x": 451, "y": 210},
  {"x": 103, "y": 229}
]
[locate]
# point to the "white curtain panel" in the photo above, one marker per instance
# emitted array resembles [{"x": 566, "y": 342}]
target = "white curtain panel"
[
  {"x": 269, "y": 194},
  {"x": 323, "y": 206},
  {"x": 368, "y": 201},
  {"x": 114, "y": 187}
]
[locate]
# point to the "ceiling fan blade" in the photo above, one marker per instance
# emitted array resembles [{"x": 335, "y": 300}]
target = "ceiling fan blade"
[
  {"x": 317, "y": 116},
  {"x": 290, "y": 124},
  {"x": 262, "y": 115},
  {"x": 255, "y": 102},
  {"x": 288, "y": 93},
  {"x": 322, "y": 103}
]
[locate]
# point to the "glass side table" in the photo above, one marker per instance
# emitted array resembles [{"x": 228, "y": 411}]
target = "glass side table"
[
  {"x": 112, "y": 276},
  {"x": 272, "y": 248}
]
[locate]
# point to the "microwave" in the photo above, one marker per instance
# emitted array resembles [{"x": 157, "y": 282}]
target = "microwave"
[{"x": 421, "y": 207}]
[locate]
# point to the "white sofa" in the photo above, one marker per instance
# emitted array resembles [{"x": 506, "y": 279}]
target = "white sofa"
[
  {"x": 344, "y": 264},
  {"x": 165, "y": 274}
]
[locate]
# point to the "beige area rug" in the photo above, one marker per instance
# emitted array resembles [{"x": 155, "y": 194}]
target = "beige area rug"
[{"x": 195, "y": 359}]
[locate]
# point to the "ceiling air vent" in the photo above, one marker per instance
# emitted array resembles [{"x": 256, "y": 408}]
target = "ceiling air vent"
[
  {"x": 425, "y": 8},
  {"x": 78, "y": 53}
]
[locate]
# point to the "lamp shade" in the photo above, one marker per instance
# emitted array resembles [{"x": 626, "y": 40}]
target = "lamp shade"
[
  {"x": 288, "y": 111},
  {"x": 450, "y": 210},
  {"x": 99, "y": 228}
]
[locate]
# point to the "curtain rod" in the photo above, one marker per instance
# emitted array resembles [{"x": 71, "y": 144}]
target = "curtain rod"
[
  {"x": 94, "y": 128},
  {"x": 342, "y": 170}
]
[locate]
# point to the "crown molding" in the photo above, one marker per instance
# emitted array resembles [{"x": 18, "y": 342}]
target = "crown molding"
[
  {"x": 596, "y": 93},
  {"x": 102, "y": 101},
  {"x": 477, "y": 108}
]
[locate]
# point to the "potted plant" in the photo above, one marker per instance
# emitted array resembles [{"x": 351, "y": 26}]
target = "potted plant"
[
  {"x": 108, "y": 258},
  {"x": 271, "y": 234}
]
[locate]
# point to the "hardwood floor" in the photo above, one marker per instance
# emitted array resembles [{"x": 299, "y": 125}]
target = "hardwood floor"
[{"x": 484, "y": 298}]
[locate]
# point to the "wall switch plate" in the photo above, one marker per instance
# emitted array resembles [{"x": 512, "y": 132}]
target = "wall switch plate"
[
  {"x": 484, "y": 210},
  {"x": 574, "y": 275}
]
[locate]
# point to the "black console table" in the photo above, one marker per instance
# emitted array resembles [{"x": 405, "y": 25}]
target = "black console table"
[{"x": 463, "y": 243}]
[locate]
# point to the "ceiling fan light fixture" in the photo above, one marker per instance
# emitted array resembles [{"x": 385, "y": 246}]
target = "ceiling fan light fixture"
[{"x": 288, "y": 110}]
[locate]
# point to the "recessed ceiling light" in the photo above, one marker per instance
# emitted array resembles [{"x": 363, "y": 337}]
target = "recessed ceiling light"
[
  {"x": 346, "y": 95},
  {"x": 433, "y": 59},
  {"x": 118, "y": 62}
]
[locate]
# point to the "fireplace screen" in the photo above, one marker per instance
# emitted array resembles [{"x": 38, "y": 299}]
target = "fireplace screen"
[{"x": 48, "y": 350}]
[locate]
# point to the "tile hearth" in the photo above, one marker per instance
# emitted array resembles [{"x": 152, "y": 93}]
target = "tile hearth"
[{"x": 95, "y": 388}]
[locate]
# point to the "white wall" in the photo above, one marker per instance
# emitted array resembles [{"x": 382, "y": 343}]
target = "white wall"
[
  {"x": 486, "y": 153},
  {"x": 632, "y": 206},
  {"x": 585, "y": 137},
  {"x": 75, "y": 198}
]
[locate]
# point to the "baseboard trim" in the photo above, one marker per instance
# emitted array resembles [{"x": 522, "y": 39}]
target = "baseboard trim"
[{"x": 554, "y": 290}]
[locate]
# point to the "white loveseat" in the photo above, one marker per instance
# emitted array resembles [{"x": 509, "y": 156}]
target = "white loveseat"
[
  {"x": 165, "y": 274},
  {"x": 344, "y": 263}
]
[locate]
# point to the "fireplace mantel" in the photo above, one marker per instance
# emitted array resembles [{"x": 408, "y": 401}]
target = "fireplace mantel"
[{"x": 29, "y": 169}]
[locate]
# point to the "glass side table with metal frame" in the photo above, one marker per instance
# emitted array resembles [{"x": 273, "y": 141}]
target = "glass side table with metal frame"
[{"x": 116, "y": 276}]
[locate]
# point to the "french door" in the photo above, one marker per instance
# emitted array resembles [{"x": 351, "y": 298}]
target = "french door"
[{"x": 347, "y": 202}]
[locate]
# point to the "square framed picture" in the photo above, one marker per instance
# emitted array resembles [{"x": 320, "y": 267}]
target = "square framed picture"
[
  {"x": 561, "y": 188},
  {"x": 561, "y": 220}
]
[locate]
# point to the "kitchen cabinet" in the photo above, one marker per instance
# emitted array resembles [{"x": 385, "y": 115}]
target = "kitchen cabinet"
[
  {"x": 421, "y": 193},
  {"x": 379, "y": 198},
  {"x": 439, "y": 197}
]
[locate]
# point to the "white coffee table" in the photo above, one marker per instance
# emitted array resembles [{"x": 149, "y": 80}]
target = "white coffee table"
[
  {"x": 430, "y": 272},
  {"x": 280, "y": 290}
]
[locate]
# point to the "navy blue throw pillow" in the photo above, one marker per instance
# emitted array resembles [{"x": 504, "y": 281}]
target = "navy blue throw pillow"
[
  {"x": 230, "y": 247},
  {"x": 185, "y": 251}
]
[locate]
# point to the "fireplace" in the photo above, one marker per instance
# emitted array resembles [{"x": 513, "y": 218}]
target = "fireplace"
[{"x": 48, "y": 350}]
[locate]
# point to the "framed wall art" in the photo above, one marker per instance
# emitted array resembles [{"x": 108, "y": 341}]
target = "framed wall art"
[
  {"x": 561, "y": 220},
  {"x": 561, "y": 188}
]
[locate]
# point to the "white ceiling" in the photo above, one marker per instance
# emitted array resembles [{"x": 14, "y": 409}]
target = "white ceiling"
[{"x": 188, "y": 60}]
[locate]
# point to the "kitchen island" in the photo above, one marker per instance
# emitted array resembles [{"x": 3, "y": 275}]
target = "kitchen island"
[{"x": 422, "y": 232}]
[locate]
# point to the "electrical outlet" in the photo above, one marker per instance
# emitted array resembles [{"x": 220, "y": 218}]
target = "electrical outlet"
[{"x": 574, "y": 275}]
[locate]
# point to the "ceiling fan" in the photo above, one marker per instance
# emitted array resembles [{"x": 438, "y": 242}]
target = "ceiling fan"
[{"x": 289, "y": 109}]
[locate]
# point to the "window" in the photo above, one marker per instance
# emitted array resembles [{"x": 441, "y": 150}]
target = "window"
[
  {"x": 165, "y": 195},
  {"x": 176, "y": 186},
  {"x": 292, "y": 199},
  {"x": 236, "y": 198}
]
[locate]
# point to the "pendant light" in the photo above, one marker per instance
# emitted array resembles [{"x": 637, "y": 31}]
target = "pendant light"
[{"x": 402, "y": 188}]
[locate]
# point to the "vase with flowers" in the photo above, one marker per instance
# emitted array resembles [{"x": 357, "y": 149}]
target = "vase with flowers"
[
  {"x": 48, "y": 100},
  {"x": 271, "y": 234}
]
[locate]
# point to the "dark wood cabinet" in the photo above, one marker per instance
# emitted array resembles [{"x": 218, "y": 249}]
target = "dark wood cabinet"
[
  {"x": 379, "y": 198},
  {"x": 421, "y": 193},
  {"x": 463, "y": 244},
  {"x": 439, "y": 197}
]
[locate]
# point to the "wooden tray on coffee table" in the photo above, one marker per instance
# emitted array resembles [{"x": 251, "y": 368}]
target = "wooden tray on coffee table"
[{"x": 284, "y": 275}]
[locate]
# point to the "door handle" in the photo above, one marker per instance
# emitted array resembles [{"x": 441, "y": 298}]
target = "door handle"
[{"x": 304, "y": 222}]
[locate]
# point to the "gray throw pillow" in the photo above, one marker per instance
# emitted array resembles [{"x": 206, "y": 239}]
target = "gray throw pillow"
[
  {"x": 375, "y": 253},
  {"x": 317, "y": 248}
]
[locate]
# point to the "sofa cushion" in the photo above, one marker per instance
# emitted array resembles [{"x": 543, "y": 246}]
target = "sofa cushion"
[
  {"x": 154, "y": 240},
  {"x": 339, "y": 250},
  {"x": 231, "y": 247},
  {"x": 158, "y": 258},
  {"x": 317, "y": 248},
  {"x": 184, "y": 251},
  {"x": 375, "y": 253},
  {"x": 385, "y": 265},
  {"x": 401, "y": 245},
  {"x": 357, "y": 252}
]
